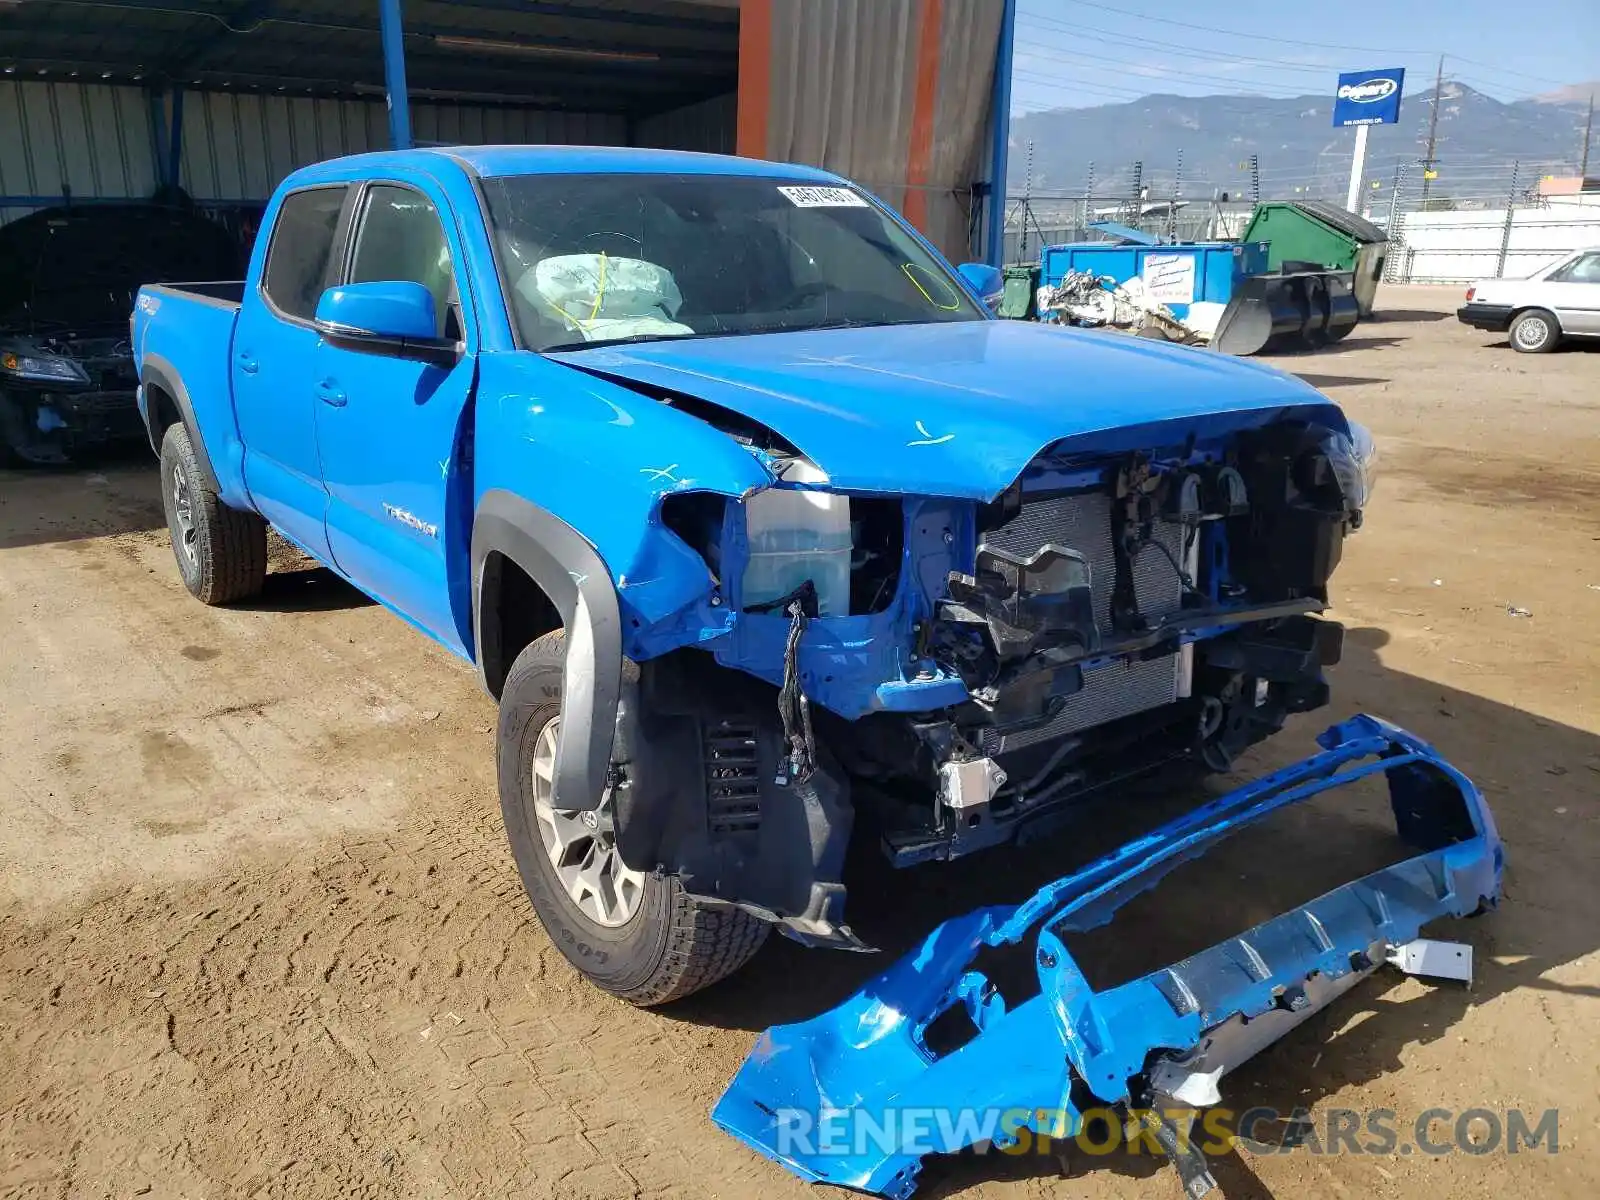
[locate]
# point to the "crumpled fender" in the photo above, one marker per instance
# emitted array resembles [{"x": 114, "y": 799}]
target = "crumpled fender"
[
  {"x": 570, "y": 472},
  {"x": 870, "y": 1054}
]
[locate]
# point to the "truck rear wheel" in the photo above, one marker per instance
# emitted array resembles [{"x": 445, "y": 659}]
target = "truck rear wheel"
[
  {"x": 221, "y": 551},
  {"x": 634, "y": 934}
]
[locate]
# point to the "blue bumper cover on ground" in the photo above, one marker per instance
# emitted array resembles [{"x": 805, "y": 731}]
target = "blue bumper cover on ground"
[{"x": 869, "y": 1059}]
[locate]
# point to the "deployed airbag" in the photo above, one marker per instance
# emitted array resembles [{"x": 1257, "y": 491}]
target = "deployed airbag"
[{"x": 604, "y": 297}]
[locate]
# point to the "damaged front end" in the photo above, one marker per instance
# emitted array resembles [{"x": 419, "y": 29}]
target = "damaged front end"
[
  {"x": 61, "y": 396},
  {"x": 1158, "y": 1042},
  {"x": 952, "y": 674}
]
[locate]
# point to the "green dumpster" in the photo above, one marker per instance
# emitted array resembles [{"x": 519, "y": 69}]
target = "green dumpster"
[
  {"x": 1314, "y": 231},
  {"x": 1017, "y": 301}
]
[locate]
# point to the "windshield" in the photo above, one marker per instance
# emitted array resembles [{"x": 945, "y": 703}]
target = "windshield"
[{"x": 595, "y": 259}]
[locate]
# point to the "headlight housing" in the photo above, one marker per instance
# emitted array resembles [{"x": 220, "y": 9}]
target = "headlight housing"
[
  {"x": 37, "y": 368},
  {"x": 1366, "y": 452}
]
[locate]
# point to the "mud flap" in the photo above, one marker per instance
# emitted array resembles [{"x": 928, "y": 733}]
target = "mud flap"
[
  {"x": 1278, "y": 313},
  {"x": 857, "y": 1096}
]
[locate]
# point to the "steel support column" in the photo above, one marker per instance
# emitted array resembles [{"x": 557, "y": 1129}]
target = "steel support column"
[
  {"x": 1000, "y": 137},
  {"x": 394, "y": 74},
  {"x": 174, "y": 173}
]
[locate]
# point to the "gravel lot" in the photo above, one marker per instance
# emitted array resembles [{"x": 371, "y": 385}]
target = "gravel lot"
[{"x": 260, "y": 934}]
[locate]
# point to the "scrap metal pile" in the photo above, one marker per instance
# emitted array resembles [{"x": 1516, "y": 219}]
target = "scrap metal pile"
[{"x": 1089, "y": 300}]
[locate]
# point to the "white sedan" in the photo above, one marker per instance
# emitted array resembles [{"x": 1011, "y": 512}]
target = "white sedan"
[{"x": 1559, "y": 301}]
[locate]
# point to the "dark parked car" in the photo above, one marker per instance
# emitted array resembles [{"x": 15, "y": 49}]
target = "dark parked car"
[{"x": 67, "y": 281}]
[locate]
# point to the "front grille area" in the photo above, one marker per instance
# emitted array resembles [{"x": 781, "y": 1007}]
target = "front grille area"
[
  {"x": 1082, "y": 522},
  {"x": 1109, "y": 693},
  {"x": 733, "y": 778}
]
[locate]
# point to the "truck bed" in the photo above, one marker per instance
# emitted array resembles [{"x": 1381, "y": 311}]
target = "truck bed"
[
  {"x": 225, "y": 291},
  {"x": 183, "y": 345}
]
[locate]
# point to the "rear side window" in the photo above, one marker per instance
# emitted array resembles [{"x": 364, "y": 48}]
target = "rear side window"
[
  {"x": 1580, "y": 270},
  {"x": 302, "y": 245}
]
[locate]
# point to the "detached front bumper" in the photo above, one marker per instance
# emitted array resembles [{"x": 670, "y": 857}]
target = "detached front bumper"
[{"x": 1168, "y": 1035}]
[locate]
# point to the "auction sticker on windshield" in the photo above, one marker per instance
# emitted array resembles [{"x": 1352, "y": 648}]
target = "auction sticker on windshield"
[{"x": 823, "y": 197}]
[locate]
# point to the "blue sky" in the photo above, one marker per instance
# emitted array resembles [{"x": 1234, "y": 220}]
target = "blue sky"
[{"x": 1074, "y": 53}]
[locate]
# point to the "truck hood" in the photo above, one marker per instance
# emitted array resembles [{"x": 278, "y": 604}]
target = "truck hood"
[{"x": 959, "y": 409}]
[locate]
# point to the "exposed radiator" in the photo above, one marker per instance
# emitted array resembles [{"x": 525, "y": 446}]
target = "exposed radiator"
[
  {"x": 1118, "y": 689},
  {"x": 1082, "y": 522}
]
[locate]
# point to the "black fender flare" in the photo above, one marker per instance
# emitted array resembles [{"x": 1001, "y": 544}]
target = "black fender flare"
[
  {"x": 571, "y": 573},
  {"x": 156, "y": 371}
]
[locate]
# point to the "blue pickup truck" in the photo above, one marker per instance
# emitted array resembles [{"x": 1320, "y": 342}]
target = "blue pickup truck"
[{"x": 763, "y": 531}]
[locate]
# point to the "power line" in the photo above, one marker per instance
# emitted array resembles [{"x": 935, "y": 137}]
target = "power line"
[
  {"x": 1095, "y": 33},
  {"x": 1390, "y": 50},
  {"x": 1187, "y": 76}
]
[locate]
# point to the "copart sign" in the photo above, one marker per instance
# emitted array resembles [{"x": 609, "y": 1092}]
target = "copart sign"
[{"x": 1369, "y": 97}]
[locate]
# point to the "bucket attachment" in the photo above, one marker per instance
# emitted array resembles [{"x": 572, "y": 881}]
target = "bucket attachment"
[
  {"x": 858, "y": 1096},
  {"x": 1275, "y": 314}
]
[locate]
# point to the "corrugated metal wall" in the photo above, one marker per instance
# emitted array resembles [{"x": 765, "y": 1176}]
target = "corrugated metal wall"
[
  {"x": 88, "y": 139},
  {"x": 893, "y": 93},
  {"x": 237, "y": 146},
  {"x": 99, "y": 141},
  {"x": 708, "y": 127}
]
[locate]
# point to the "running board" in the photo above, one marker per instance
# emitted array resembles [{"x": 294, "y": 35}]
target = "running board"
[{"x": 856, "y": 1098}]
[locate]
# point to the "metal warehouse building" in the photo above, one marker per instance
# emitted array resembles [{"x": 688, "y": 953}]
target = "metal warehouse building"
[{"x": 111, "y": 99}]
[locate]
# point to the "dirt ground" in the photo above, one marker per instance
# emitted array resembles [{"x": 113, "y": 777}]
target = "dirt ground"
[{"x": 260, "y": 934}]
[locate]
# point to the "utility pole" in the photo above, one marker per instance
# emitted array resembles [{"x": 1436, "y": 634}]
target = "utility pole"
[
  {"x": 1172, "y": 209},
  {"x": 1588, "y": 128},
  {"x": 1088, "y": 205},
  {"x": 1511, "y": 216},
  {"x": 1433, "y": 134}
]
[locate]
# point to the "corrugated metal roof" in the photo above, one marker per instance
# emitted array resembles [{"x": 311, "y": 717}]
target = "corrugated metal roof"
[{"x": 626, "y": 56}]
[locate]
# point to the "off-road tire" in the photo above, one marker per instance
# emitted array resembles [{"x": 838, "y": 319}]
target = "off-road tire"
[
  {"x": 1524, "y": 325},
  {"x": 229, "y": 560},
  {"x": 673, "y": 944}
]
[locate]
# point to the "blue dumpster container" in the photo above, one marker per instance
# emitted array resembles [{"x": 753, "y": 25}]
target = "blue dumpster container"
[{"x": 1177, "y": 275}]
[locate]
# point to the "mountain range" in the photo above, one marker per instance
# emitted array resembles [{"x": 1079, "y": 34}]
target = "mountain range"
[{"x": 1297, "y": 148}]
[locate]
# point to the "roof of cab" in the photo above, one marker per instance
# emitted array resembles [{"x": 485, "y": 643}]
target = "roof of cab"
[{"x": 490, "y": 161}]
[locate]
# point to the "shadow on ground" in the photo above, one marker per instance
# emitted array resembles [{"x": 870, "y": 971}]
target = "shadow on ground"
[
  {"x": 114, "y": 493},
  {"x": 305, "y": 589},
  {"x": 1333, "y": 381},
  {"x": 1398, "y": 316},
  {"x": 1534, "y": 772}
]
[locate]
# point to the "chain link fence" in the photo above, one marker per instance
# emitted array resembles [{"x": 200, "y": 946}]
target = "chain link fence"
[{"x": 1462, "y": 220}]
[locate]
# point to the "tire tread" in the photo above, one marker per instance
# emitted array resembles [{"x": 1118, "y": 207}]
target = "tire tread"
[
  {"x": 231, "y": 542},
  {"x": 703, "y": 942}
]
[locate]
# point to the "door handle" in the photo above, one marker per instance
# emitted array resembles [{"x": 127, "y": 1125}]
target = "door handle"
[
  {"x": 247, "y": 364},
  {"x": 329, "y": 393}
]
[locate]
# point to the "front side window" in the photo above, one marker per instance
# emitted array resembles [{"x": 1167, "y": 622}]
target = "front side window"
[
  {"x": 595, "y": 259},
  {"x": 400, "y": 238},
  {"x": 302, "y": 244}
]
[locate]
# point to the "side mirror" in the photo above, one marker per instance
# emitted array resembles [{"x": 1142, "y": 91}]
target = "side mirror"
[
  {"x": 394, "y": 319},
  {"x": 986, "y": 281}
]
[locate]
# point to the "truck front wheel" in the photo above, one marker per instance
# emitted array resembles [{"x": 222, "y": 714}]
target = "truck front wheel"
[
  {"x": 221, "y": 551},
  {"x": 635, "y": 934}
]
